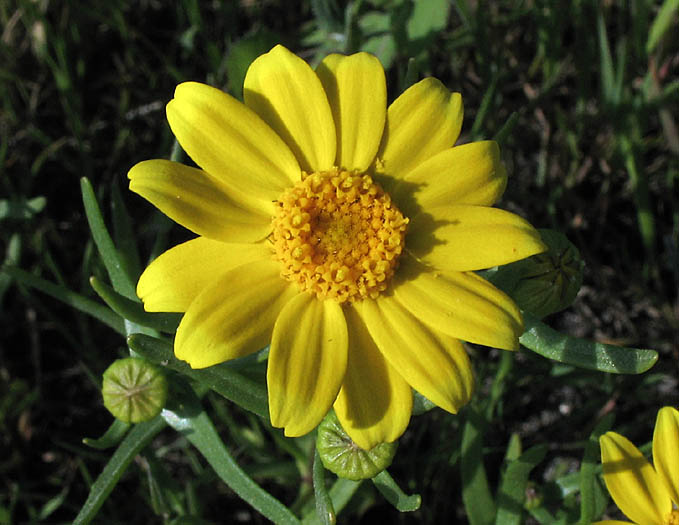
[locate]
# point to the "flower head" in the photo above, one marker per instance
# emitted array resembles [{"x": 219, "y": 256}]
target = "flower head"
[
  {"x": 645, "y": 493},
  {"x": 339, "y": 230}
]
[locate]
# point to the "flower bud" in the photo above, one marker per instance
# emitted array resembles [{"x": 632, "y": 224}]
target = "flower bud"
[
  {"x": 547, "y": 282},
  {"x": 342, "y": 456},
  {"x": 134, "y": 390}
]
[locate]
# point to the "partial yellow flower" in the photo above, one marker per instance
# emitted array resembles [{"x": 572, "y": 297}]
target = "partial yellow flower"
[
  {"x": 646, "y": 495},
  {"x": 338, "y": 230}
]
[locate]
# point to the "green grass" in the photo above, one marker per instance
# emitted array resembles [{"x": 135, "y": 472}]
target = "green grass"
[{"x": 584, "y": 96}]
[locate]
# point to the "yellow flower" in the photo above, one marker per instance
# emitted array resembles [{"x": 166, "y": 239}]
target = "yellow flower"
[
  {"x": 644, "y": 493},
  {"x": 342, "y": 232}
]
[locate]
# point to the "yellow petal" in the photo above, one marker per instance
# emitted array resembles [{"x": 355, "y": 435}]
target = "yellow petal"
[
  {"x": 432, "y": 363},
  {"x": 357, "y": 92},
  {"x": 282, "y": 89},
  {"x": 611, "y": 522},
  {"x": 465, "y": 238},
  {"x": 173, "y": 280},
  {"x": 234, "y": 316},
  {"x": 666, "y": 450},
  {"x": 462, "y": 305},
  {"x": 375, "y": 402},
  {"x": 633, "y": 484},
  {"x": 307, "y": 361},
  {"x": 468, "y": 174},
  {"x": 198, "y": 202},
  {"x": 425, "y": 120},
  {"x": 231, "y": 143}
]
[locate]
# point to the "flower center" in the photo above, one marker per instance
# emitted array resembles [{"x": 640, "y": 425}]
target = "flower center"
[
  {"x": 338, "y": 235},
  {"x": 673, "y": 517}
]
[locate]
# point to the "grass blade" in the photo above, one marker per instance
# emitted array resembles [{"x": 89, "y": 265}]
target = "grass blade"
[
  {"x": 663, "y": 21},
  {"x": 605, "y": 64}
]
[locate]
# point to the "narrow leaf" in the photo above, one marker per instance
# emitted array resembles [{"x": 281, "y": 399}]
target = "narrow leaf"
[
  {"x": 554, "y": 345},
  {"x": 135, "y": 441},
  {"x": 124, "y": 234},
  {"x": 394, "y": 495},
  {"x": 115, "y": 433},
  {"x": 134, "y": 311},
  {"x": 122, "y": 282},
  {"x": 324, "y": 509},
  {"x": 476, "y": 495},
  {"x": 340, "y": 493},
  {"x": 195, "y": 424}
]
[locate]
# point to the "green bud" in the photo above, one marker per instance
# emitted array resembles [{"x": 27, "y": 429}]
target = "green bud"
[
  {"x": 134, "y": 390},
  {"x": 345, "y": 458},
  {"x": 544, "y": 283}
]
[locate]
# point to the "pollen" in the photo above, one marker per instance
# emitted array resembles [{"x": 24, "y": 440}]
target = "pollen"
[
  {"x": 673, "y": 517},
  {"x": 338, "y": 235}
]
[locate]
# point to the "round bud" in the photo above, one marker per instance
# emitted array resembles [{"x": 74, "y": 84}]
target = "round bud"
[
  {"x": 134, "y": 390},
  {"x": 342, "y": 456},
  {"x": 547, "y": 282}
]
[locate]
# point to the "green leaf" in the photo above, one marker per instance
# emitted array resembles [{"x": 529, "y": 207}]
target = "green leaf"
[
  {"x": 122, "y": 282},
  {"x": 21, "y": 209},
  {"x": 223, "y": 379},
  {"x": 124, "y": 234},
  {"x": 340, "y": 493},
  {"x": 506, "y": 129},
  {"x": 115, "y": 433},
  {"x": 52, "y": 505},
  {"x": 324, "y": 509},
  {"x": 394, "y": 495},
  {"x": 194, "y": 423},
  {"x": 588, "y": 478},
  {"x": 484, "y": 108},
  {"x": 69, "y": 297},
  {"x": 133, "y": 443},
  {"x": 554, "y": 345},
  {"x": 662, "y": 23},
  {"x": 427, "y": 19},
  {"x": 134, "y": 310},
  {"x": 512, "y": 488},
  {"x": 12, "y": 257},
  {"x": 605, "y": 63},
  {"x": 476, "y": 495}
]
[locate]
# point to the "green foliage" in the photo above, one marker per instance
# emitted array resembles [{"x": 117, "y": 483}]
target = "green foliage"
[{"x": 582, "y": 96}]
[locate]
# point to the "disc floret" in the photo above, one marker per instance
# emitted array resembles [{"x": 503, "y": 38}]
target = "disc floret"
[{"x": 338, "y": 235}]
